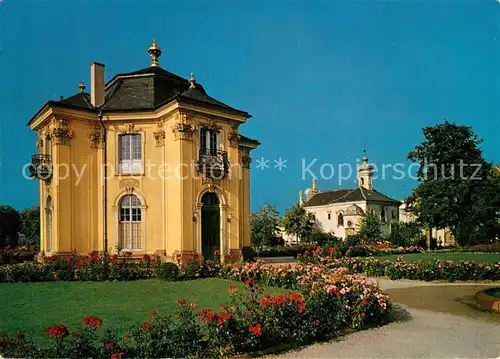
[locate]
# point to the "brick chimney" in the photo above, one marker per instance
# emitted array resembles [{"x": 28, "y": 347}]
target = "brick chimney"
[{"x": 97, "y": 84}]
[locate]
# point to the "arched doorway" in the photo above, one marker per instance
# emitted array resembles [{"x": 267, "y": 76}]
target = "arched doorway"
[
  {"x": 48, "y": 224},
  {"x": 210, "y": 224}
]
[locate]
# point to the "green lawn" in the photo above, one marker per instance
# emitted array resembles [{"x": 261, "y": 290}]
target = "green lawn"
[
  {"x": 31, "y": 307},
  {"x": 445, "y": 256}
]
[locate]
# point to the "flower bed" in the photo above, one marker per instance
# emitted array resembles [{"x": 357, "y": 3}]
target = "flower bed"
[
  {"x": 109, "y": 267},
  {"x": 20, "y": 254},
  {"x": 434, "y": 270},
  {"x": 322, "y": 301},
  {"x": 284, "y": 251}
]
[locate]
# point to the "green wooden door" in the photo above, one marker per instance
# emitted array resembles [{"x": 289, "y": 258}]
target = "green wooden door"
[{"x": 210, "y": 224}]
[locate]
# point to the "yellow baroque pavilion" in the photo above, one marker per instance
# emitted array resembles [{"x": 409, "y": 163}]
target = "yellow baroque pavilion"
[{"x": 146, "y": 163}]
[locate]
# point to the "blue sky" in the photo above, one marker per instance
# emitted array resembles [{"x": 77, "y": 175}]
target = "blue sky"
[{"x": 321, "y": 78}]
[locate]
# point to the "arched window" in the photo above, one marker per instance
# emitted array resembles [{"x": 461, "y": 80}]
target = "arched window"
[
  {"x": 393, "y": 214},
  {"x": 130, "y": 223},
  {"x": 48, "y": 224},
  {"x": 382, "y": 215},
  {"x": 362, "y": 180},
  {"x": 340, "y": 220}
]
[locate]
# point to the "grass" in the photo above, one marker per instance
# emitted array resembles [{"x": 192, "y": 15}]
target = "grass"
[
  {"x": 445, "y": 256},
  {"x": 32, "y": 307}
]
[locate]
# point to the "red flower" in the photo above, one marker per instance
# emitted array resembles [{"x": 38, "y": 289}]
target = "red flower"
[
  {"x": 255, "y": 329},
  {"x": 146, "y": 325},
  {"x": 248, "y": 282},
  {"x": 181, "y": 302},
  {"x": 153, "y": 312},
  {"x": 69, "y": 259},
  {"x": 363, "y": 315},
  {"x": 75, "y": 335},
  {"x": 2, "y": 335},
  {"x": 92, "y": 321},
  {"x": 223, "y": 306},
  {"x": 301, "y": 307},
  {"x": 317, "y": 322},
  {"x": 58, "y": 331},
  {"x": 108, "y": 345},
  {"x": 178, "y": 314},
  {"x": 364, "y": 302},
  {"x": 117, "y": 355},
  {"x": 217, "y": 252},
  {"x": 331, "y": 250},
  {"x": 232, "y": 289},
  {"x": 219, "y": 322},
  {"x": 295, "y": 297}
]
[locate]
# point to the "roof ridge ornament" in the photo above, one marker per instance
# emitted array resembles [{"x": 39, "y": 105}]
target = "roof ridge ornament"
[
  {"x": 192, "y": 81},
  {"x": 155, "y": 52},
  {"x": 81, "y": 86}
]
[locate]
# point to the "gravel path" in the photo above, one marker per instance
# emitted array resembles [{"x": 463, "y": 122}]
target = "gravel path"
[{"x": 416, "y": 334}]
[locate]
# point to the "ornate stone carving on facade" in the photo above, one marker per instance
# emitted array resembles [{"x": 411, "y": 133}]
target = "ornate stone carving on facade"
[
  {"x": 61, "y": 133},
  {"x": 129, "y": 184},
  {"x": 159, "y": 134},
  {"x": 96, "y": 137},
  {"x": 130, "y": 128},
  {"x": 39, "y": 141},
  {"x": 183, "y": 129},
  {"x": 211, "y": 182},
  {"x": 212, "y": 125},
  {"x": 245, "y": 158},
  {"x": 233, "y": 137}
]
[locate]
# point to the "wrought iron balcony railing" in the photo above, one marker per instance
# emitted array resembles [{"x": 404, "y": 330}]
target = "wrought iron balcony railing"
[
  {"x": 41, "y": 167},
  {"x": 213, "y": 163}
]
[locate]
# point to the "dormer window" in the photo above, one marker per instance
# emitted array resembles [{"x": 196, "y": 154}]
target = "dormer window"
[{"x": 130, "y": 154}]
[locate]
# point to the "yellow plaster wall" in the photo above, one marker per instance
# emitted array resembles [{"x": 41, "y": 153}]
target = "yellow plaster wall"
[{"x": 169, "y": 204}]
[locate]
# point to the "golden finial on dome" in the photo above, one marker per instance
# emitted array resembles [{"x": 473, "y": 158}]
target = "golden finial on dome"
[
  {"x": 192, "y": 81},
  {"x": 155, "y": 52},
  {"x": 81, "y": 86}
]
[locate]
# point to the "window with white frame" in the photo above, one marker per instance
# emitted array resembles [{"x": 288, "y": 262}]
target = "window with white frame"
[
  {"x": 130, "y": 223},
  {"x": 130, "y": 153},
  {"x": 209, "y": 141}
]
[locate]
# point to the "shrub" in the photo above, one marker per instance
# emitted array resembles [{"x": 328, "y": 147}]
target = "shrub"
[
  {"x": 359, "y": 251},
  {"x": 353, "y": 240},
  {"x": 167, "y": 271},
  {"x": 406, "y": 234},
  {"x": 248, "y": 254},
  {"x": 323, "y": 238}
]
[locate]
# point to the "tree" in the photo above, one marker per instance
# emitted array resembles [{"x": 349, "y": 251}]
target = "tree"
[
  {"x": 457, "y": 188},
  {"x": 298, "y": 222},
  {"x": 407, "y": 234},
  {"x": 30, "y": 225},
  {"x": 263, "y": 225},
  {"x": 370, "y": 227},
  {"x": 10, "y": 222}
]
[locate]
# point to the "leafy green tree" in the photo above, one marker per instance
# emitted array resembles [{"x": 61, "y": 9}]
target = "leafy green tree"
[
  {"x": 370, "y": 227},
  {"x": 10, "y": 222},
  {"x": 264, "y": 224},
  {"x": 298, "y": 222},
  {"x": 407, "y": 234},
  {"x": 30, "y": 225},
  {"x": 457, "y": 188}
]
